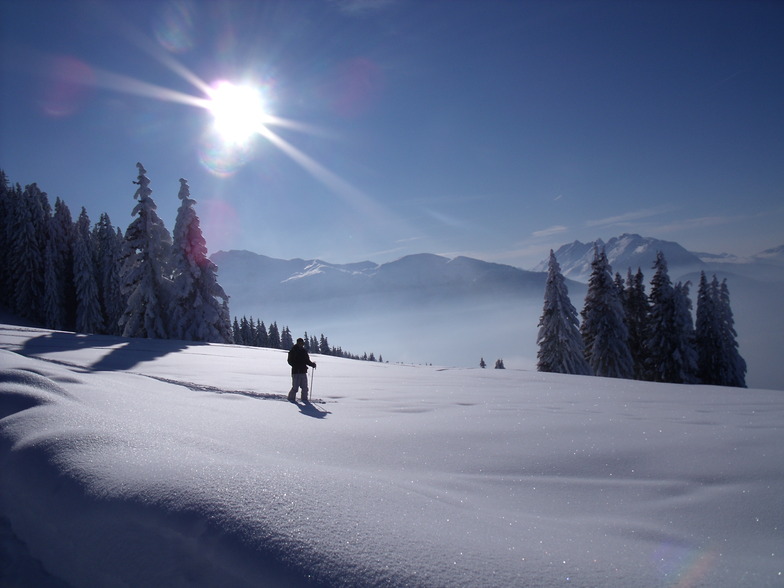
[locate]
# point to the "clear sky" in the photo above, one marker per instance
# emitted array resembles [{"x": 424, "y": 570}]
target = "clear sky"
[{"x": 492, "y": 129}]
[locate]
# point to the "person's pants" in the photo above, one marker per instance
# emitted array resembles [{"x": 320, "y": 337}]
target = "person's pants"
[{"x": 298, "y": 381}]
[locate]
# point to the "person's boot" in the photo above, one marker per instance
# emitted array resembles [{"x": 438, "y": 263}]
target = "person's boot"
[{"x": 292, "y": 396}]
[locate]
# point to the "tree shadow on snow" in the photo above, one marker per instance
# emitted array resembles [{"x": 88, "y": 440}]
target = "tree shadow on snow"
[{"x": 123, "y": 354}]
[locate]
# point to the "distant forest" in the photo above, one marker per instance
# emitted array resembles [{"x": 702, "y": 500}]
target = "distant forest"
[
  {"x": 625, "y": 333},
  {"x": 70, "y": 275}
]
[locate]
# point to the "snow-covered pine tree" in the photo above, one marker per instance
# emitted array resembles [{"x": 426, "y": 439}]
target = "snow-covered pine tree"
[
  {"x": 63, "y": 235},
  {"x": 235, "y": 332},
  {"x": 262, "y": 339},
  {"x": 146, "y": 282},
  {"x": 88, "y": 308},
  {"x": 27, "y": 254},
  {"x": 665, "y": 358},
  {"x": 686, "y": 348},
  {"x": 7, "y": 208},
  {"x": 273, "y": 339},
  {"x": 636, "y": 308},
  {"x": 198, "y": 310},
  {"x": 108, "y": 248},
  {"x": 246, "y": 332},
  {"x": 603, "y": 330},
  {"x": 54, "y": 315},
  {"x": 561, "y": 348},
  {"x": 707, "y": 332},
  {"x": 733, "y": 368},
  {"x": 286, "y": 340}
]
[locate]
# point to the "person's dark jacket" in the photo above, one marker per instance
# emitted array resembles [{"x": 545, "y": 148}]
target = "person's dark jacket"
[{"x": 299, "y": 360}]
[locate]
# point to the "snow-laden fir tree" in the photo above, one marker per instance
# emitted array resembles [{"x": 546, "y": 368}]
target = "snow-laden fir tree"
[
  {"x": 286, "y": 340},
  {"x": 603, "y": 329},
  {"x": 108, "y": 248},
  {"x": 719, "y": 361},
  {"x": 561, "y": 348},
  {"x": 6, "y": 214},
  {"x": 235, "y": 332},
  {"x": 54, "y": 317},
  {"x": 262, "y": 338},
  {"x": 636, "y": 308},
  {"x": 199, "y": 305},
  {"x": 27, "y": 254},
  {"x": 734, "y": 374},
  {"x": 708, "y": 332},
  {"x": 686, "y": 349},
  {"x": 146, "y": 282},
  {"x": 88, "y": 308},
  {"x": 274, "y": 336},
  {"x": 667, "y": 359},
  {"x": 63, "y": 233}
]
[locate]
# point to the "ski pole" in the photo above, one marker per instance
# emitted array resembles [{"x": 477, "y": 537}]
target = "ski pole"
[{"x": 312, "y": 373}]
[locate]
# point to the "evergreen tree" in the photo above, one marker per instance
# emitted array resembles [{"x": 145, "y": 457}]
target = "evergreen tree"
[
  {"x": 27, "y": 255},
  {"x": 736, "y": 365},
  {"x": 235, "y": 330},
  {"x": 603, "y": 330},
  {"x": 323, "y": 346},
  {"x": 88, "y": 309},
  {"x": 7, "y": 214},
  {"x": 286, "y": 340},
  {"x": 262, "y": 338},
  {"x": 667, "y": 361},
  {"x": 108, "y": 261},
  {"x": 482, "y": 363},
  {"x": 197, "y": 309},
  {"x": 686, "y": 349},
  {"x": 274, "y": 336},
  {"x": 63, "y": 236},
  {"x": 708, "y": 332},
  {"x": 499, "y": 364},
  {"x": 246, "y": 331},
  {"x": 54, "y": 316},
  {"x": 636, "y": 309},
  {"x": 146, "y": 273},
  {"x": 561, "y": 348},
  {"x": 719, "y": 360}
]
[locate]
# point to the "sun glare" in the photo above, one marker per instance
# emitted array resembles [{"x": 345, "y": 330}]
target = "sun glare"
[{"x": 238, "y": 112}]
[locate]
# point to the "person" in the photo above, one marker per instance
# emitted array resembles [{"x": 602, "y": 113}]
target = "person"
[{"x": 299, "y": 360}]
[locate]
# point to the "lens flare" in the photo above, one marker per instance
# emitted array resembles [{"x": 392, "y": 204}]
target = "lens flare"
[{"x": 239, "y": 112}]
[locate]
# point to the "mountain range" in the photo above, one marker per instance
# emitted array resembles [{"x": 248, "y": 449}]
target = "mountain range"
[{"x": 427, "y": 308}]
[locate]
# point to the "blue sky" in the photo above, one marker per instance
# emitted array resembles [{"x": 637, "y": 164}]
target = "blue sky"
[{"x": 484, "y": 128}]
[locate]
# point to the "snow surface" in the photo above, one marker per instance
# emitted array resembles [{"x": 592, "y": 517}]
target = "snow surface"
[{"x": 130, "y": 462}]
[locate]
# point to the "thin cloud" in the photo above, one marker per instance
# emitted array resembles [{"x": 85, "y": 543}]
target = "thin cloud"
[
  {"x": 634, "y": 215},
  {"x": 361, "y": 7},
  {"x": 697, "y": 223},
  {"x": 555, "y": 230}
]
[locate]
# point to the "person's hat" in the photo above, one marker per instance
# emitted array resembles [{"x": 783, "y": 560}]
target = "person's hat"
[{"x": 300, "y": 340}]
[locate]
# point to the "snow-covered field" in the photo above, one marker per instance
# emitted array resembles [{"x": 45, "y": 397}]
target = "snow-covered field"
[{"x": 154, "y": 463}]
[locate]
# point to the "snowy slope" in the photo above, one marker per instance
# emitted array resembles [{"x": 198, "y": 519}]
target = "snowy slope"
[{"x": 153, "y": 463}]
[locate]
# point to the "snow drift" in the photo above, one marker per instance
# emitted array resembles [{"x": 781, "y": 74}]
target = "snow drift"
[{"x": 156, "y": 463}]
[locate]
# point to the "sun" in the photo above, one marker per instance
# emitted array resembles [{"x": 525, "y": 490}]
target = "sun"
[{"x": 238, "y": 112}]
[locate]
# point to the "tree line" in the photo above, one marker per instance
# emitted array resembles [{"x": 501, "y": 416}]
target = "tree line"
[
  {"x": 253, "y": 333},
  {"x": 67, "y": 275},
  {"x": 625, "y": 333}
]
